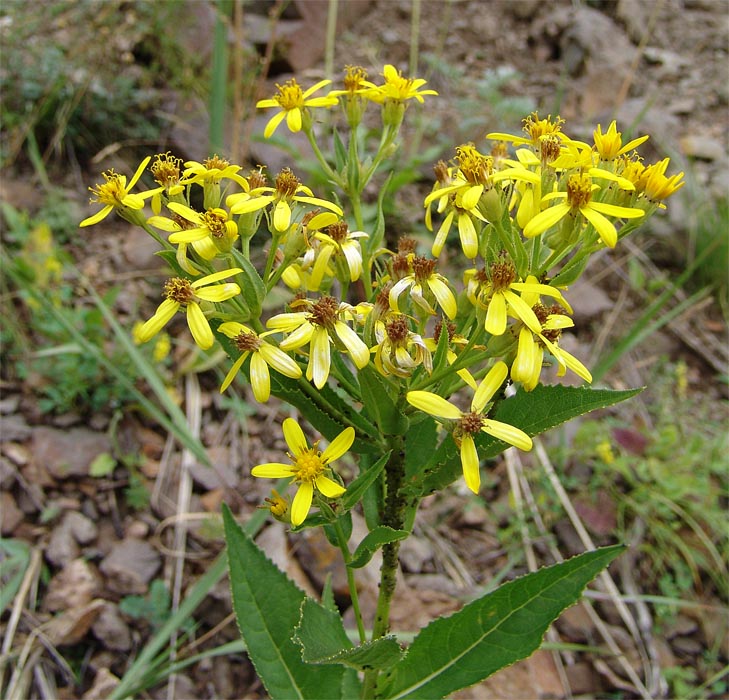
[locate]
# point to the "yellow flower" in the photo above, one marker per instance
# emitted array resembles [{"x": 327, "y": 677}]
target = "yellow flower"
[
  {"x": 494, "y": 290},
  {"x": 424, "y": 277},
  {"x": 294, "y": 104},
  {"x": 288, "y": 189},
  {"x": 337, "y": 240},
  {"x": 654, "y": 184},
  {"x": 212, "y": 171},
  {"x": 399, "y": 351},
  {"x": 577, "y": 200},
  {"x": 166, "y": 173},
  {"x": 278, "y": 506},
  {"x": 610, "y": 144},
  {"x": 214, "y": 224},
  {"x": 472, "y": 422},
  {"x": 310, "y": 468},
  {"x": 180, "y": 292},
  {"x": 115, "y": 194},
  {"x": 319, "y": 326},
  {"x": 537, "y": 130},
  {"x": 263, "y": 355},
  {"x": 397, "y": 88},
  {"x": 527, "y": 365}
]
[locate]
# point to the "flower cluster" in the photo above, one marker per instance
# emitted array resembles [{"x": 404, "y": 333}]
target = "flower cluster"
[{"x": 527, "y": 222}]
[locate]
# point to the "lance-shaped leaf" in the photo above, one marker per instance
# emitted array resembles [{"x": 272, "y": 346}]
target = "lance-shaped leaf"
[
  {"x": 379, "y": 404},
  {"x": 492, "y": 632},
  {"x": 375, "y": 539},
  {"x": 268, "y": 608}
]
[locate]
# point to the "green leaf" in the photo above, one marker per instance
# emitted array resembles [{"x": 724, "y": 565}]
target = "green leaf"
[
  {"x": 379, "y": 404},
  {"x": 320, "y": 633},
  {"x": 268, "y": 608},
  {"x": 534, "y": 412},
  {"x": 253, "y": 289},
  {"x": 421, "y": 440},
  {"x": 103, "y": 465},
  {"x": 340, "y": 152},
  {"x": 14, "y": 562},
  {"x": 492, "y": 632},
  {"x": 382, "y": 654},
  {"x": 375, "y": 539}
]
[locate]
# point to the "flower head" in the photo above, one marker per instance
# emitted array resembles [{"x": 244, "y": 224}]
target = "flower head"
[
  {"x": 578, "y": 201},
  {"x": 288, "y": 190},
  {"x": 397, "y": 88},
  {"x": 610, "y": 144},
  {"x": 115, "y": 194},
  {"x": 320, "y": 325},
  {"x": 294, "y": 103},
  {"x": 181, "y": 293},
  {"x": 422, "y": 282},
  {"x": 263, "y": 355},
  {"x": 399, "y": 351},
  {"x": 310, "y": 468},
  {"x": 470, "y": 423}
]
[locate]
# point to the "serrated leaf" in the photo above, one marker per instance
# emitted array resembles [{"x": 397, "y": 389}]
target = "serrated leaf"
[
  {"x": 492, "y": 632},
  {"x": 374, "y": 539},
  {"x": 379, "y": 403},
  {"x": 268, "y": 608},
  {"x": 357, "y": 488},
  {"x": 320, "y": 633},
  {"x": 381, "y": 654},
  {"x": 534, "y": 412},
  {"x": 421, "y": 440}
]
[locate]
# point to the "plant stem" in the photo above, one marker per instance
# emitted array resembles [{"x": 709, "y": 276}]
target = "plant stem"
[
  {"x": 347, "y": 556},
  {"x": 394, "y": 517}
]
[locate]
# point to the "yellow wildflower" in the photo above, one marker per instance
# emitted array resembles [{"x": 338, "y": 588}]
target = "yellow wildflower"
[
  {"x": 263, "y": 355},
  {"x": 294, "y": 103},
  {"x": 180, "y": 292},
  {"x": 115, "y": 194},
  {"x": 470, "y": 423},
  {"x": 310, "y": 468}
]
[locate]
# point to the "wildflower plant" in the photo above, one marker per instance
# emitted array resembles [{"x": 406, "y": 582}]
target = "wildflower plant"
[{"x": 411, "y": 371}]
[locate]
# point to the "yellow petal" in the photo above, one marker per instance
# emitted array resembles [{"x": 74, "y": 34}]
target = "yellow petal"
[
  {"x": 199, "y": 326},
  {"x": 280, "y": 361},
  {"x": 469, "y": 463},
  {"x": 338, "y": 446},
  {"x": 489, "y": 386},
  {"x": 282, "y": 216},
  {"x": 469, "y": 237},
  {"x": 294, "y": 436},
  {"x": 507, "y": 433},
  {"x": 496, "y": 315},
  {"x": 218, "y": 292},
  {"x": 356, "y": 347},
  {"x": 320, "y": 358},
  {"x": 273, "y": 123},
  {"x": 444, "y": 296},
  {"x": 216, "y": 277},
  {"x": 302, "y": 503},
  {"x": 433, "y": 404},
  {"x": 260, "y": 378},
  {"x": 546, "y": 219},
  {"x": 165, "y": 311},
  {"x": 232, "y": 372},
  {"x": 293, "y": 119},
  {"x": 102, "y": 214},
  {"x": 232, "y": 328},
  {"x": 273, "y": 470},
  {"x": 330, "y": 488},
  {"x": 602, "y": 225}
]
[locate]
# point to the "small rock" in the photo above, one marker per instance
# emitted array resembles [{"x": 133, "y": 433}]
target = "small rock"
[
  {"x": 110, "y": 629},
  {"x": 687, "y": 646},
  {"x": 9, "y": 404},
  {"x": 62, "y": 547},
  {"x": 71, "y": 626},
  {"x": 82, "y": 528},
  {"x": 104, "y": 684},
  {"x": 139, "y": 249},
  {"x": 16, "y": 453},
  {"x": 137, "y": 529},
  {"x": 682, "y": 626},
  {"x": 74, "y": 586},
  {"x": 414, "y": 553},
  {"x": 130, "y": 566},
  {"x": 7, "y": 474},
  {"x": 10, "y": 515},
  {"x": 593, "y": 301},
  {"x": 702, "y": 147},
  {"x": 221, "y": 475},
  {"x": 14, "y": 428},
  {"x": 68, "y": 453},
  {"x": 583, "y": 679}
]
